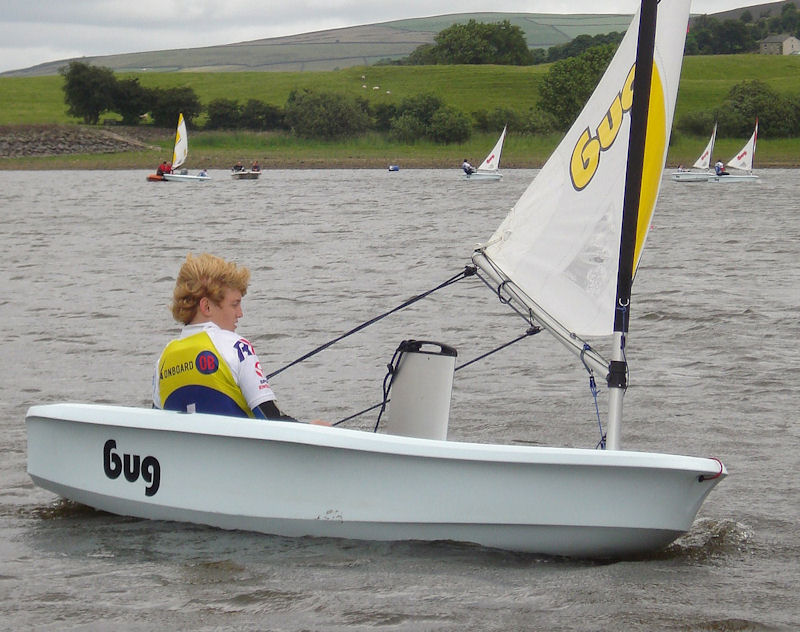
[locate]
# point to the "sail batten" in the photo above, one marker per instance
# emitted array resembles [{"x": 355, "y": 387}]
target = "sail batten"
[{"x": 560, "y": 243}]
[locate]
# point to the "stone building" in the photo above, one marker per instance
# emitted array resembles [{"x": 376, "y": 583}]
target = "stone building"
[{"x": 779, "y": 45}]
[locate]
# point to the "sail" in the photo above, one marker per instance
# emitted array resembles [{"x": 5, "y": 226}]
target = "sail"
[
  {"x": 744, "y": 159},
  {"x": 560, "y": 243},
  {"x": 704, "y": 161},
  {"x": 492, "y": 161},
  {"x": 181, "y": 144}
]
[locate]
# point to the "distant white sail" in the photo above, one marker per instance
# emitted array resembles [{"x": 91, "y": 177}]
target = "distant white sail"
[
  {"x": 181, "y": 144},
  {"x": 560, "y": 243},
  {"x": 704, "y": 161},
  {"x": 744, "y": 159},
  {"x": 492, "y": 161}
]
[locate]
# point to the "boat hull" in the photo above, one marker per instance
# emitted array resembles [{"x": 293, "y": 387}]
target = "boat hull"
[
  {"x": 733, "y": 178},
  {"x": 294, "y": 479},
  {"x": 179, "y": 177},
  {"x": 483, "y": 177},
  {"x": 690, "y": 176},
  {"x": 245, "y": 175}
]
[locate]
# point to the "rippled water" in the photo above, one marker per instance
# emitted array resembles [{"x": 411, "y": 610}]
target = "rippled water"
[{"x": 90, "y": 259}]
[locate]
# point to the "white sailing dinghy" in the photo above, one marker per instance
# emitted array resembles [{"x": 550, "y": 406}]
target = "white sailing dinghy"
[
  {"x": 557, "y": 254},
  {"x": 488, "y": 170},
  {"x": 179, "y": 155},
  {"x": 703, "y": 162},
  {"x": 742, "y": 162}
]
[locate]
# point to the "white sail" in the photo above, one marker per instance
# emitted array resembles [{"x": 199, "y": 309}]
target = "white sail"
[
  {"x": 181, "y": 144},
  {"x": 744, "y": 159},
  {"x": 492, "y": 161},
  {"x": 704, "y": 161},
  {"x": 561, "y": 241}
]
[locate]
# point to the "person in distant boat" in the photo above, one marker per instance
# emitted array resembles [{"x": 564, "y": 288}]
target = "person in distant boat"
[
  {"x": 719, "y": 168},
  {"x": 203, "y": 173},
  {"x": 255, "y": 166},
  {"x": 210, "y": 368},
  {"x": 468, "y": 168},
  {"x": 162, "y": 168},
  {"x": 238, "y": 166}
]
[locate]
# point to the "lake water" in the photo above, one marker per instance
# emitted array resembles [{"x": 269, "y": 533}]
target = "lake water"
[{"x": 89, "y": 260}]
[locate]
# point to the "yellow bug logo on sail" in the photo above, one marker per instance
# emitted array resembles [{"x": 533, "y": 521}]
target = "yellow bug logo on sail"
[
  {"x": 586, "y": 154},
  {"x": 588, "y": 150}
]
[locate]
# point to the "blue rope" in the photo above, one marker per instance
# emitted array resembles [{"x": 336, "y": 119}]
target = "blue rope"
[{"x": 593, "y": 388}]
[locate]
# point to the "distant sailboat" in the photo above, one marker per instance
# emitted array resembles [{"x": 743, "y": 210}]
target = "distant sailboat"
[
  {"x": 742, "y": 162},
  {"x": 703, "y": 162},
  {"x": 179, "y": 155},
  {"x": 489, "y": 168}
]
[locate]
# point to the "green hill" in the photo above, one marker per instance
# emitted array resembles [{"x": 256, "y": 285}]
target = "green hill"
[
  {"x": 339, "y": 48},
  {"x": 704, "y": 83}
]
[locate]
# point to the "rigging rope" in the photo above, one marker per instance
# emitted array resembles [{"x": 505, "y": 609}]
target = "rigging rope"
[
  {"x": 593, "y": 388},
  {"x": 392, "y": 368},
  {"x": 467, "y": 272},
  {"x": 506, "y": 301}
]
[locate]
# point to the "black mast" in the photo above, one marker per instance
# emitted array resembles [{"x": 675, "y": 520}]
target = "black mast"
[
  {"x": 618, "y": 368},
  {"x": 636, "y": 145}
]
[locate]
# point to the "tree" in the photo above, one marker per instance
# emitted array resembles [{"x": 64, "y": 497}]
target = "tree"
[
  {"x": 261, "y": 116},
  {"x": 790, "y": 18},
  {"x": 421, "y": 106},
  {"x": 581, "y": 44},
  {"x": 494, "y": 120},
  {"x": 223, "y": 114},
  {"x": 568, "y": 84},
  {"x": 700, "y": 38},
  {"x": 407, "y": 128},
  {"x": 88, "y": 90},
  {"x": 426, "y": 116},
  {"x": 539, "y": 122},
  {"x": 383, "y": 114},
  {"x": 131, "y": 100},
  {"x": 324, "y": 115},
  {"x": 169, "y": 102},
  {"x": 476, "y": 43},
  {"x": 731, "y": 37},
  {"x": 450, "y": 125},
  {"x": 777, "y": 115}
]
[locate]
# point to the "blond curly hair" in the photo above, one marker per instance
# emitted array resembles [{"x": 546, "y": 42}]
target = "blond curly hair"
[{"x": 205, "y": 275}]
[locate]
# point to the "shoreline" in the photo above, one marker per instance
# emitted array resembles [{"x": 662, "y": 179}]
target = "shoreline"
[{"x": 51, "y": 147}]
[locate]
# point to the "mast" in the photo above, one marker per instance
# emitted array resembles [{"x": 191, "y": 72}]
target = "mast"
[
  {"x": 618, "y": 369},
  {"x": 755, "y": 140},
  {"x": 711, "y": 150}
]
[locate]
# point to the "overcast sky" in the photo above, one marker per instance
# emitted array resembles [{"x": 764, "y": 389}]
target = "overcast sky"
[{"x": 37, "y": 31}]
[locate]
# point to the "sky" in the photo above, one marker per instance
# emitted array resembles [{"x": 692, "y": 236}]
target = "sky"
[{"x": 37, "y": 31}]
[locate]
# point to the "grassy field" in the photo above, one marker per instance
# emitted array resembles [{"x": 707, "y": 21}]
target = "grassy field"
[
  {"x": 25, "y": 100},
  {"x": 704, "y": 83}
]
